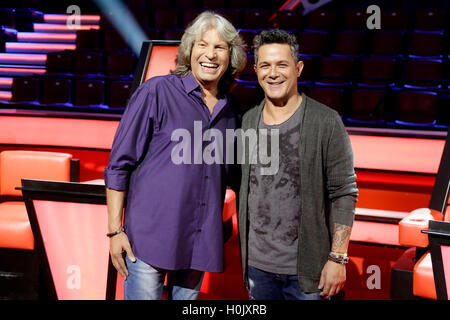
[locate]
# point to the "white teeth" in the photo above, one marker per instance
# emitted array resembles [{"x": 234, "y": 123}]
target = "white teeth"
[{"x": 209, "y": 65}]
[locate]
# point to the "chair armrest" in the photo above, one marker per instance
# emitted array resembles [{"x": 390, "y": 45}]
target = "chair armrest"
[{"x": 410, "y": 227}]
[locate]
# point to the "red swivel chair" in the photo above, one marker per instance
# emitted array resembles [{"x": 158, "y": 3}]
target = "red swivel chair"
[
  {"x": 424, "y": 269},
  {"x": 17, "y": 247}
]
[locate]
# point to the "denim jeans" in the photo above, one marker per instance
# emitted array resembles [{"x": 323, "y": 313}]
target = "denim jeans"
[
  {"x": 271, "y": 286},
  {"x": 145, "y": 282}
]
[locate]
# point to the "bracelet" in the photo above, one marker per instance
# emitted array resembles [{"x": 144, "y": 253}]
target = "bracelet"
[
  {"x": 112, "y": 234},
  {"x": 338, "y": 254},
  {"x": 338, "y": 258}
]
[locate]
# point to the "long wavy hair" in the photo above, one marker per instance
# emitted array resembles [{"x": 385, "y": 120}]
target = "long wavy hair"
[{"x": 228, "y": 32}]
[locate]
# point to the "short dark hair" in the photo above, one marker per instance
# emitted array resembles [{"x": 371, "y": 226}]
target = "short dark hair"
[{"x": 276, "y": 36}]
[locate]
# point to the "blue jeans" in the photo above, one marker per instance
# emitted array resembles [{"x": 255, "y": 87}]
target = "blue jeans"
[
  {"x": 145, "y": 282},
  {"x": 271, "y": 286}
]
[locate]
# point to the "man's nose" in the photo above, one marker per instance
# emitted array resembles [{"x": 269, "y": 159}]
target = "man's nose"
[
  {"x": 210, "y": 53},
  {"x": 273, "y": 72}
]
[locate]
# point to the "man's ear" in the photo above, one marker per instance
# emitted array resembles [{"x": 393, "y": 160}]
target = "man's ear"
[{"x": 299, "y": 67}]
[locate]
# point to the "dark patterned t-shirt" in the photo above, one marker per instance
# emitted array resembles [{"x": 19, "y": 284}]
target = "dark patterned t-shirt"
[{"x": 274, "y": 201}]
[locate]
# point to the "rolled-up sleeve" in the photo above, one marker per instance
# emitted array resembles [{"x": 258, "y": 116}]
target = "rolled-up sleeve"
[{"x": 131, "y": 138}]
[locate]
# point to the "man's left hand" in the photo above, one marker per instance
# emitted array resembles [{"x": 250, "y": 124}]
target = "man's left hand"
[{"x": 332, "y": 279}]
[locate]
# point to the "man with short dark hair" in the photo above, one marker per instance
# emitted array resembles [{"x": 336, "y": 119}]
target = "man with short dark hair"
[{"x": 295, "y": 224}]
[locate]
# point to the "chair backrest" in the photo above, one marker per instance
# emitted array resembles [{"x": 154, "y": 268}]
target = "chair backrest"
[
  {"x": 119, "y": 93},
  {"x": 55, "y": 91},
  {"x": 368, "y": 105},
  {"x": 322, "y": 20},
  {"x": 388, "y": 43},
  {"x": 427, "y": 43},
  {"x": 88, "y": 62},
  {"x": 89, "y": 92},
  {"x": 25, "y": 89},
  {"x": 430, "y": 20},
  {"x": 417, "y": 107},
  {"x": 16, "y": 165},
  {"x": 331, "y": 97},
  {"x": 378, "y": 70},
  {"x": 313, "y": 42},
  {"x": 424, "y": 72},
  {"x": 394, "y": 19},
  {"x": 336, "y": 70},
  {"x": 350, "y": 42},
  {"x": 59, "y": 62}
]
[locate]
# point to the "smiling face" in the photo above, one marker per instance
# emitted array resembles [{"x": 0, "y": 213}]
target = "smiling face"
[
  {"x": 210, "y": 57},
  {"x": 277, "y": 72}
]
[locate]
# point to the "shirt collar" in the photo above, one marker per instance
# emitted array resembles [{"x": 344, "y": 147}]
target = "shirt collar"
[{"x": 189, "y": 83}]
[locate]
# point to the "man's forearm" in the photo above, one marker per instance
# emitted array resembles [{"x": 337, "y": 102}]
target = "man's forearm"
[
  {"x": 115, "y": 201},
  {"x": 341, "y": 238}
]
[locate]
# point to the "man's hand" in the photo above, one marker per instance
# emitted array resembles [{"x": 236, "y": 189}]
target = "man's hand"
[
  {"x": 117, "y": 245},
  {"x": 332, "y": 279}
]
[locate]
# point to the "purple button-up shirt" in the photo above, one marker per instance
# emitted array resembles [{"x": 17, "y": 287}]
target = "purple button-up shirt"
[{"x": 173, "y": 216}]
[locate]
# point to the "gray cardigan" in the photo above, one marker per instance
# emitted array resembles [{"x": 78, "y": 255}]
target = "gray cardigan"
[{"x": 327, "y": 188}]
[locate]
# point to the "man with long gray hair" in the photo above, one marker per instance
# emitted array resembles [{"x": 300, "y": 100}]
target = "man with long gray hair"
[{"x": 173, "y": 217}]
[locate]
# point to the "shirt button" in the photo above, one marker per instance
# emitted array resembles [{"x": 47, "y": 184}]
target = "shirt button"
[
  {"x": 206, "y": 177},
  {"x": 203, "y": 204},
  {"x": 199, "y": 230}
]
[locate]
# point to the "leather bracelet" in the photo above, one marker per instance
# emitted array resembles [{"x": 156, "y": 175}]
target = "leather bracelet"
[
  {"x": 338, "y": 258},
  {"x": 112, "y": 234}
]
